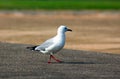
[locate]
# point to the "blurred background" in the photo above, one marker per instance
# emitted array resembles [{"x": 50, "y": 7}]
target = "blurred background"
[{"x": 95, "y": 23}]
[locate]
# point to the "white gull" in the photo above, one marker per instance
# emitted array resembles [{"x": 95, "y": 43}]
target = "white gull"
[{"x": 53, "y": 45}]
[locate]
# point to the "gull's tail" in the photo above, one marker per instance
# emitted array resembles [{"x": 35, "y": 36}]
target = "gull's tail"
[{"x": 32, "y": 48}]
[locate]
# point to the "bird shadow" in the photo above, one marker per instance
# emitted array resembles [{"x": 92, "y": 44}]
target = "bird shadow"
[{"x": 64, "y": 62}]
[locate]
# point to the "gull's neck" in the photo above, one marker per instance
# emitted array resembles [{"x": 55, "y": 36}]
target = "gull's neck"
[
  {"x": 61, "y": 33},
  {"x": 60, "y": 37}
]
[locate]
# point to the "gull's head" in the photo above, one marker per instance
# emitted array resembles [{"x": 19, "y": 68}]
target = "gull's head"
[{"x": 63, "y": 29}]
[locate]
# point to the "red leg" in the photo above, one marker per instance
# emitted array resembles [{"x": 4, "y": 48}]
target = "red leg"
[
  {"x": 49, "y": 60},
  {"x": 55, "y": 58}
]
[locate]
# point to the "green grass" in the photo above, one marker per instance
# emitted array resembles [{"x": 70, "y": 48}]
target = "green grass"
[{"x": 59, "y": 5}]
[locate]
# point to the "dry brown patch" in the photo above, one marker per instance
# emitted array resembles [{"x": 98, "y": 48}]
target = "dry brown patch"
[{"x": 96, "y": 31}]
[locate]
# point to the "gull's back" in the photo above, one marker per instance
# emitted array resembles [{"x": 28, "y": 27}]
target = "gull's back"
[{"x": 45, "y": 44}]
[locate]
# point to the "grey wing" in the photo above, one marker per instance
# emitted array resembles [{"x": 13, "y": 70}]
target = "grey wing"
[{"x": 44, "y": 45}]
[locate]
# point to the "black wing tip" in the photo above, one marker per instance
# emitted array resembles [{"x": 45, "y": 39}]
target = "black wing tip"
[{"x": 31, "y": 48}]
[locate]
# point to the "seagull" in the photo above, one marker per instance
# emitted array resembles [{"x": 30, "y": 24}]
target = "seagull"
[{"x": 53, "y": 45}]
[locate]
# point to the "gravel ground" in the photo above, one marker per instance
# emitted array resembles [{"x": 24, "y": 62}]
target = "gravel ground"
[{"x": 16, "y": 62}]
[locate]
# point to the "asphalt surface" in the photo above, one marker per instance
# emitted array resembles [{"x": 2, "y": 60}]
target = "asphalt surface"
[{"x": 16, "y": 62}]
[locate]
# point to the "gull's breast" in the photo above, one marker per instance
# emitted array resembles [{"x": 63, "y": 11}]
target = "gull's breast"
[{"x": 59, "y": 44}]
